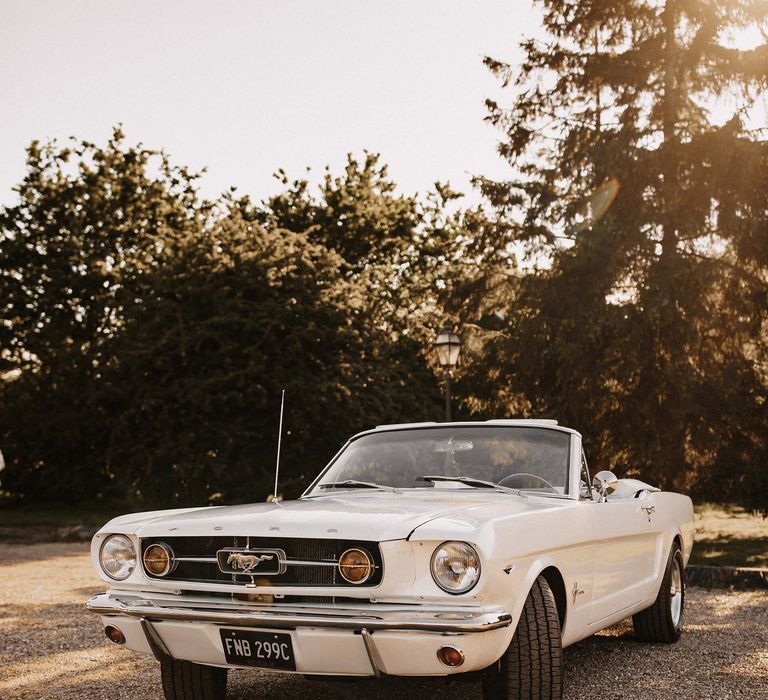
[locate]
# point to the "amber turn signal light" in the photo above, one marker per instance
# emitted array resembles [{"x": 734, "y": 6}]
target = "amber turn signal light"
[
  {"x": 355, "y": 565},
  {"x": 450, "y": 656},
  {"x": 114, "y": 634},
  {"x": 158, "y": 559}
]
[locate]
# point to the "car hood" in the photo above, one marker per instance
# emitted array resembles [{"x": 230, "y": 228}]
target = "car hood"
[{"x": 366, "y": 516}]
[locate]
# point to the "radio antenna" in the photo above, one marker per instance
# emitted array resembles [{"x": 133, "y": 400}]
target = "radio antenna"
[{"x": 279, "y": 442}]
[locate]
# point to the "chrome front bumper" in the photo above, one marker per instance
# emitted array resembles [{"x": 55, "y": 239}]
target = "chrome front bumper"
[{"x": 395, "y": 618}]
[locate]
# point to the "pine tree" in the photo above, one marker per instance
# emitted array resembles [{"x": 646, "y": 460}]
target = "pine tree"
[{"x": 644, "y": 323}]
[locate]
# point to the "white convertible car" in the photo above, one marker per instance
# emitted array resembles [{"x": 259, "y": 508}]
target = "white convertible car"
[{"x": 428, "y": 549}]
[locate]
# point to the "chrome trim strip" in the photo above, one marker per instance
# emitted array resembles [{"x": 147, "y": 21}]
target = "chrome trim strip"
[
  {"x": 460, "y": 621},
  {"x": 199, "y": 560},
  {"x": 307, "y": 562},
  {"x": 289, "y": 562}
]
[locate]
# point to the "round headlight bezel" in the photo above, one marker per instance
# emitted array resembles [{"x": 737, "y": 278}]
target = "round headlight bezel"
[
  {"x": 369, "y": 559},
  {"x": 170, "y": 564},
  {"x": 130, "y": 567},
  {"x": 443, "y": 585}
]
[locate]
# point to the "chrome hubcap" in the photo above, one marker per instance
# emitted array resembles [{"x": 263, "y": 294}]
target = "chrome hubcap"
[{"x": 676, "y": 592}]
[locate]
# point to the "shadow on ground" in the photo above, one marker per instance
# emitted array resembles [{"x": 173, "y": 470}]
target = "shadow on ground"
[{"x": 732, "y": 551}]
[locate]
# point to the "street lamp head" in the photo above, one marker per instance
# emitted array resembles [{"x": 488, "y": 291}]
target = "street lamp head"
[{"x": 448, "y": 346}]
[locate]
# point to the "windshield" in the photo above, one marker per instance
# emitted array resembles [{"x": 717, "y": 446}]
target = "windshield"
[{"x": 528, "y": 458}]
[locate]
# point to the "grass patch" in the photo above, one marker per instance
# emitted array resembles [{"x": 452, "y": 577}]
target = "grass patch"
[{"x": 729, "y": 536}]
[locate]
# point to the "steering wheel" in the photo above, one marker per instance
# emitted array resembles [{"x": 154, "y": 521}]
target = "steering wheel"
[{"x": 518, "y": 474}]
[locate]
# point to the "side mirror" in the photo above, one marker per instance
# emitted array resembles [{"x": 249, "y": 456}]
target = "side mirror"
[{"x": 605, "y": 483}]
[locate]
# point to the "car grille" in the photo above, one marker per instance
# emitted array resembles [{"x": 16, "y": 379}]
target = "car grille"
[{"x": 196, "y": 560}]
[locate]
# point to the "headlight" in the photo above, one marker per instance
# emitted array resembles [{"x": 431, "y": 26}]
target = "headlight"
[
  {"x": 158, "y": 559},
  {"x": 455, "y": 567},
  {"x": 355, "y": 565},
  {"x": 118, "y": 557}
]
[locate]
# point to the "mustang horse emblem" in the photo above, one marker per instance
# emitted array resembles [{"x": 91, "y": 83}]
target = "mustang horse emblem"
[{"x": 247, "y": 562}]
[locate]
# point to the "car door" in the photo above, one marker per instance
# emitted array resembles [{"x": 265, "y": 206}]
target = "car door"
[{"x": 624, "y": 551}]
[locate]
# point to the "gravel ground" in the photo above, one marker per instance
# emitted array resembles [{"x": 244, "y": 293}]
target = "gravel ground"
[{"x": 50, "y": 647}]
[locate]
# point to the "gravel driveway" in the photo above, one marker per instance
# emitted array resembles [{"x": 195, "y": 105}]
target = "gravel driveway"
[{"x": 50, "y": 647}]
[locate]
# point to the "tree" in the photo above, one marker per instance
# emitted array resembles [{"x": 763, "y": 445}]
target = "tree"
[
  {"x": 90, "y": 224},
  {"x": 400, "y": 248},
  {"x": 643, "y": 323},
  {"x": 196, "y": 378},
  {"x": 148, "y": 333}
]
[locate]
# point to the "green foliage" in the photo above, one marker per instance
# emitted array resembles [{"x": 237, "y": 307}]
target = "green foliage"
[
  {"x": 148, "y": 334},
  {"x": 645, "y": 325},
  {"x": 89, "y": 223},
  {"x": 397, "y": 248}
]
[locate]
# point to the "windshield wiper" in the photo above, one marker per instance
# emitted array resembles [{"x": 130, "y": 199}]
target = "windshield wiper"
[
  {"x": 469, "y": 481},
  {"x": 353, "y": 484}
]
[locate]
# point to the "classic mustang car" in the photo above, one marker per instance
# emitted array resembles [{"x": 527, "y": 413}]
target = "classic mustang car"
[{"x": 428, "y": 549}]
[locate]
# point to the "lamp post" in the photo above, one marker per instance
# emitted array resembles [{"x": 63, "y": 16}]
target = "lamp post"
[{"x": 448, "y": 347}]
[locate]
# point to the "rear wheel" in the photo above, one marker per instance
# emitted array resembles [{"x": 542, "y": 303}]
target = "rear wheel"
[
  {"x": 183, "y": 680},
  {"x": 532, "y": 666},
  {"x": 663, "y": 621}
]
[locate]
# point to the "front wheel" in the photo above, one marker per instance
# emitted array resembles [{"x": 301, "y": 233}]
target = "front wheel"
[
  {"x": 184, "y": 680},
  {"x": 663, "y": 621},
  {"x": 532, "y": 666}
]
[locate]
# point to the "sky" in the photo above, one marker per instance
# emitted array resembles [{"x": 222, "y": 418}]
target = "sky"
[{"x": 244, "y": 88}]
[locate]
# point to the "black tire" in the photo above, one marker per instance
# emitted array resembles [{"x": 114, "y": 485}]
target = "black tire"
[
  {"x": 662, "y": 623},
  {"x": 532, "y": 666},
  {"x": 183, "y": 680}
]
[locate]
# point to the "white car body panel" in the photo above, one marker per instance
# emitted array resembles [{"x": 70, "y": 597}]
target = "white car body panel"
[{"x": 610, "y": 559}]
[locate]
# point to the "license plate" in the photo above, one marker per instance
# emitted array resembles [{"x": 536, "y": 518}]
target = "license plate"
[{"x": 264, "y": 649}]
